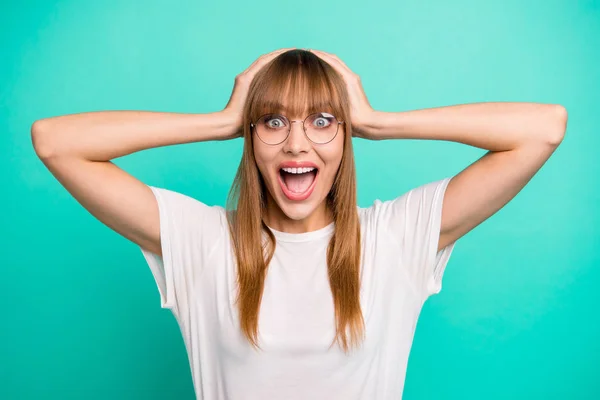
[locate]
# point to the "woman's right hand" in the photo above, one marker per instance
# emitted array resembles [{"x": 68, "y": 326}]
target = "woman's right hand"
[{"x": 235, "y": 105}]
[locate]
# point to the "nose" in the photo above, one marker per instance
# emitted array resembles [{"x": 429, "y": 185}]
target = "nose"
[{"x": 296, "y": 142}]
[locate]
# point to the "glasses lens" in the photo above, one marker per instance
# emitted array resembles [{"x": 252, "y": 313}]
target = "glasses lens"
[
  {"x": 321, "y": 127},
  {"x": 272, "y": 128}
]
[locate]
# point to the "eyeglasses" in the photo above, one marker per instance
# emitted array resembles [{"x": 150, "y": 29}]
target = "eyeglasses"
[{"x": 319, "y": 128}]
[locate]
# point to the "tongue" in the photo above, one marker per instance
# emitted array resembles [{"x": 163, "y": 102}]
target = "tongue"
[{"x": 299, "y": 183}]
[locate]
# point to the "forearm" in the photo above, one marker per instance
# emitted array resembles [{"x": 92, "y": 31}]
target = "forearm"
[
  {"x": 105, "y": 135},
  {"x": 495, "y": 126}
]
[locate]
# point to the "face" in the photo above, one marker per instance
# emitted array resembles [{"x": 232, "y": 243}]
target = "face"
[{"x": 298, "y": 213}]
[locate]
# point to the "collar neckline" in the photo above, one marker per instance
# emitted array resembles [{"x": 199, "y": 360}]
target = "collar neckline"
[{"x": 304, "y": 236}]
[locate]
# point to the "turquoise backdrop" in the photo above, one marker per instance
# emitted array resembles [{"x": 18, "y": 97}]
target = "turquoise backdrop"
[{"x": 517, "y": 317}]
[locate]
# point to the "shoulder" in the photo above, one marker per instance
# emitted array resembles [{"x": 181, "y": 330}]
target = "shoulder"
[
  {"x": 407, "y": 206},
  {"x": 419, "y": 193},
  {"x": 182, "y": 208}
]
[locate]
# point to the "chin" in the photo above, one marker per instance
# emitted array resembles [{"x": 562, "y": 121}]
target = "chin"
[{"x": 297, "y": 212}]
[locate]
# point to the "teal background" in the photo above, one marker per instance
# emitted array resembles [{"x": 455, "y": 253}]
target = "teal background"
[{"x": 518, "y": 313}]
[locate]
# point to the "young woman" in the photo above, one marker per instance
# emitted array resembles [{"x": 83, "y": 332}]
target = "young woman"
[{"x": 293, "y": 291}]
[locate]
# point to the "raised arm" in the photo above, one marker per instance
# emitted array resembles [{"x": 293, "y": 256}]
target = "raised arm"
[
  {"x": 519, "y": 137},
  {"x": 77, "y": 150}
]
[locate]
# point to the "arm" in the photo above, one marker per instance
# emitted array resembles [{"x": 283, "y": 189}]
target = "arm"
[
  {"x": 77, "y": 150},
  {"x": 105, "y": 135},
  {"x": 520, "y": 138}
]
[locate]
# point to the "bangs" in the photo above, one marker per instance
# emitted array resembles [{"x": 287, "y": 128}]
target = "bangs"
[{"x": 296, "y": 86}]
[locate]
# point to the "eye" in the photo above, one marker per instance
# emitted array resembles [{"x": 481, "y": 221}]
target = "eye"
[
  {"x": 322, "y": 120},
  {"x": 275, "y": 121}
]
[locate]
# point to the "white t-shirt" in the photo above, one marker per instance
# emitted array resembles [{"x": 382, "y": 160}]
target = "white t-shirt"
[{"x": 400, "y": 269}]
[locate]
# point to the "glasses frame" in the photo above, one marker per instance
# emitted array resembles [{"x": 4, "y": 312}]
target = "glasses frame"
[{"x": 253, "y": 125}]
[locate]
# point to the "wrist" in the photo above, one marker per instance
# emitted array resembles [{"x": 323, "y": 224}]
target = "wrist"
[
  {"x": 368, "y": 125},
  {"x": 228, "y": 124}
]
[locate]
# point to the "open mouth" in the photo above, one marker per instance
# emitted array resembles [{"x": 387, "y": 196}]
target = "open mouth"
[{"x": 298, "y": 183}]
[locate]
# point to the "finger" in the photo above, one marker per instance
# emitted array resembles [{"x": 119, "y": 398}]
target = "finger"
[
  {"x": 278, "y": 51},
  {"x": 270, "y": 55},
  {"x": 335, "y": 62},
  {"x": 265, "y": 58}
]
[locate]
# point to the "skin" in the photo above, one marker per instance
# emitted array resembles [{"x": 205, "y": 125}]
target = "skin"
[
  {"x": 307, "y": 215},
  {"x": 283, "y": 214},
  {"x": 78, "y": 148},
  {"x": 311, "y": 214},
  {"x": 520, "y": 137}
]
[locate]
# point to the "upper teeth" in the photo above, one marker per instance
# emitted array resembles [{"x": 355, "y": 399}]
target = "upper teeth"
[{"x": 298, "y": 170}]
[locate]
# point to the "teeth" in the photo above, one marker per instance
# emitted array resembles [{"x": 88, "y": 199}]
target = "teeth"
[{"x": 298, "y": 170}]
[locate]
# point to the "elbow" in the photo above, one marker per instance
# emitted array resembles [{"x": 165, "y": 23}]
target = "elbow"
[
  {"x": 560, "y": 124},
  {"x": 41, "y": 139}
]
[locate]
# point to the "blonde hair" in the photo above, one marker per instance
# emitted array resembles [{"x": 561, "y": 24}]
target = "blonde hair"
[{"x": 310, "y": 85}]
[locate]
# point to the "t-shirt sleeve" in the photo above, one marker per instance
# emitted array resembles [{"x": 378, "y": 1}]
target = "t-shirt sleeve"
[
  {"x": 413, "y": 220},
  {"x": 189, "y": 231}
]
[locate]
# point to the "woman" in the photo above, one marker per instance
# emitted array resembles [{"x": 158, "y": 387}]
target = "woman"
[{"x": 339, "y": 287}]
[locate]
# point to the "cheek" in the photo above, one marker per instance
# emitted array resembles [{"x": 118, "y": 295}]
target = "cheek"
[
  {"x": 264, "y": 157},
  {"x": 332, "y": 155}
]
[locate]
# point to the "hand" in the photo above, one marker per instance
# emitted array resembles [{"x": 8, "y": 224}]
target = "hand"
[
  {"x": 234, "y": 108},
  {"x": 360, "y": 109}
]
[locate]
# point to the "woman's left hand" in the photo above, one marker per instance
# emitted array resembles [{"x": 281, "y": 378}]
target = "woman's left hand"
[{"x": 361, "y": 111}]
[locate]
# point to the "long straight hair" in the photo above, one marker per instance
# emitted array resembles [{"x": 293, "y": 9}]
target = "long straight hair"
[{"x": 302, "y": 83}]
